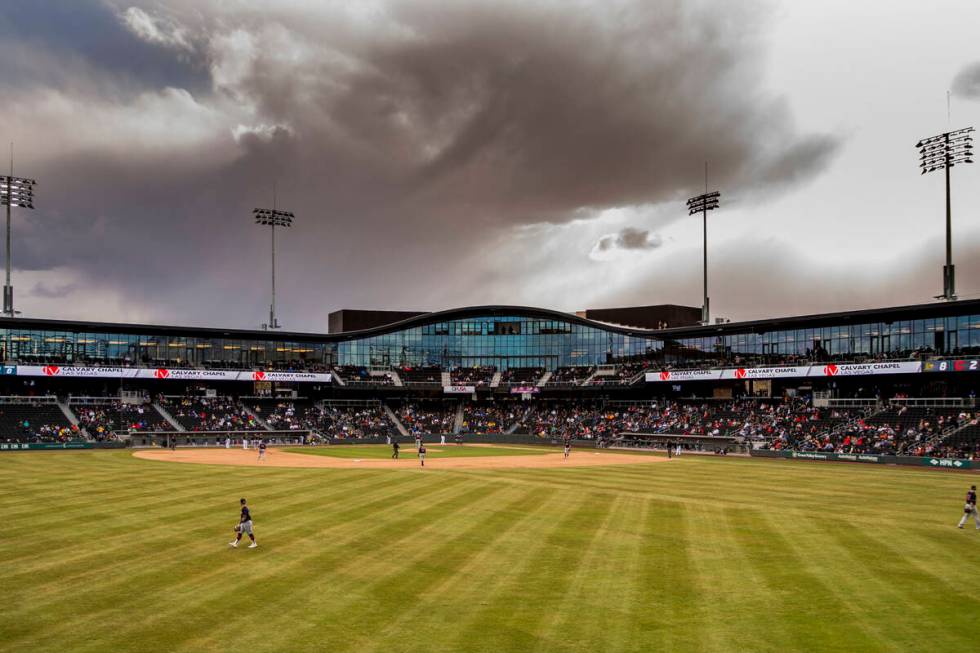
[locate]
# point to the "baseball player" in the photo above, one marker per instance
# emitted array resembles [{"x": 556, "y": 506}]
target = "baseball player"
[
  {"x": 418, "y": 439},
  {"x": 244, "y": 526},
  {"x": 261, "y": 450},
  {"x": 567, "y": 449},
  {"x": 970, "y": 508},
  {"x": 394, "y": 449},
  {"x": 422, "y": 455}
]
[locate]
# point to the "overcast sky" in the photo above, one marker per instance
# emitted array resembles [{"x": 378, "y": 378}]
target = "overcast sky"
[{"x": 443, "y": 154}]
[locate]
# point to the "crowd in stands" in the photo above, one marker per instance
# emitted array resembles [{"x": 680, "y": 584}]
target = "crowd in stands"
[
  {"x": 351, "y": 421},
  {"x": 570, "y": 375},
  {"x": 35, "y": 422},
  {"x": 476, "y": 376},
  {"x": 330, "y": 420},
  {"x": 100, "y": 421},
  {"x": 521, "y": 375},
  {"x": 428, "y": 417},
  {"x": 210, "y": 414},
  {"x": 490, "y": 418},
  {"x": 354, "y": 374},
  {"x": 421, "y": 375}
]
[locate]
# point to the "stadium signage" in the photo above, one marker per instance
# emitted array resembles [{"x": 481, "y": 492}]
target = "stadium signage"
[
  {"x": 684, "y": 375},
  {"x": 863, "y": 369},
  {"x": 748, "y": 373},
  {"x": 765, "y": 372},
  {"x": 177, "y": 374},
  {"x": 459, "y": 389},
  {"x": 524, "y": 390},
  {"x": 260, "y": 375},
  {"x": 959, "y": 365},
  {"x": 947, "y": 463},
  {"x": 75, "y": 372},
  {"x": 165, "y": 373}
]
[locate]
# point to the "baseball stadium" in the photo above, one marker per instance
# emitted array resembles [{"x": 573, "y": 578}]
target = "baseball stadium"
[
  {"x": 783, "y": 484},
  {"x": 787, "y": 466}
]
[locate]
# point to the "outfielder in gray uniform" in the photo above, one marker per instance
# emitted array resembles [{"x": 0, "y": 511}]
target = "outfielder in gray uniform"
[
  {"x": 970, "y": 508},
  {"x": 244, "y": 527}
]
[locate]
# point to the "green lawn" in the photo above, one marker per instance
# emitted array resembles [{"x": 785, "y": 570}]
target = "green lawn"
[
  {"x": 104, "y": 552},
  {"x": 431, "y": 451}
]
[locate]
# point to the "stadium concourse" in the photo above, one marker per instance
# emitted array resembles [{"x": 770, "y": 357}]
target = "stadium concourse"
[{"x": 894, "y": 381}]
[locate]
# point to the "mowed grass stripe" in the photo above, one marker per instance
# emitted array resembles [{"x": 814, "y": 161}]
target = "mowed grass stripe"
[
  {"x": 221, "y": 584},
  {"x": 410, "y": 587},
  {"x": 506, "y": 619},
  {"x": 463, "y": 570},
  {"x": 158, "y": 536},
  {"x": 350, "y": 565}
]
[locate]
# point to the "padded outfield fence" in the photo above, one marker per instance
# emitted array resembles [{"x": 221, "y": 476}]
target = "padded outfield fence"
[{"x": 913, "y": 461}]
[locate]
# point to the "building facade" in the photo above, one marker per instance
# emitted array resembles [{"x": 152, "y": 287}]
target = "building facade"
[{"x": 503, "y": 337}]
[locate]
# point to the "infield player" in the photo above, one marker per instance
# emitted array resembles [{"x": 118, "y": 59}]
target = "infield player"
[
  {"x": 244, "y": 527},
  {"x": 418, "y": 439},
  {"x": 567, "y": 450},
  {"x": 970, "y": 508},
  {"x": 261, "y": 450},
  {"x": 422, "y": 455},
  {"x": 394, "y": 449}
]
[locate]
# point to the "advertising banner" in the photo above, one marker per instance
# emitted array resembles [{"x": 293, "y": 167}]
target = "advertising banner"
[
  {"x": 313, "y": 377},
  {"x": 939, "y": 463},
  {"x": 765, "y": 372},
  {"x": 179, "y": 374},
  {"x": 958, "y": 365},
  {"x": 163, "y": 373},
  {"x": 75, "y": 372},
  {"x": 786, "y": 372},
  {"x": 458, "y": 389},
  {"x": 33, "y": 446},
  {"x": 524, "y": 389},
  {"x": 683, "y": 375},
  {"x": 865, "y": 369}
]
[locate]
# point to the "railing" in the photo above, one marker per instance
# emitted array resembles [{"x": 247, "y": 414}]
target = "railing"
[
  {"x": 934, "y": 402},
  {"x": 37, "y": 401}
]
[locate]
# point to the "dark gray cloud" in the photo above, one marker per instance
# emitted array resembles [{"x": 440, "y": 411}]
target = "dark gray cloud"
[
  {"x": 85, "y": 45},
  {"x": 629, "y": 238},
  {"x": 404, "y": 140},
  {"x": 967, "y": 82}
]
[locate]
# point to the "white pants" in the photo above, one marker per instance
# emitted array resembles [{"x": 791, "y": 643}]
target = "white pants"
[
  {"x": 966, "y": 516},
  {"x": 442, "y": 439}
]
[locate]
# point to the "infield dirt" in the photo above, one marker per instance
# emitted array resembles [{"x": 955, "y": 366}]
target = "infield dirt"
[{"x": 275, "y": 458}]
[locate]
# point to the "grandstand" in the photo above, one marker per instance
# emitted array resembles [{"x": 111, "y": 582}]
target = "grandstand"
[{"x": 842, "y": 382}]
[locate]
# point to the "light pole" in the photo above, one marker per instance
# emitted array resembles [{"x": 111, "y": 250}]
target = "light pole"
[
  {"x": 942, "y": 152},
  {"x": 14, "y": 191},
  {"x": 273, "y": 218},
  {"x": 702, "y": 204}
]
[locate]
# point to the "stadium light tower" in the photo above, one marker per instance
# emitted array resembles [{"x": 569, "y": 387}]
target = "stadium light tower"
[
  {"x": 702, "y": 204},
  {"x": 14, "y": 191},
  {"x": 273, "y": 218},
  {"x": 942, "y": 152}
]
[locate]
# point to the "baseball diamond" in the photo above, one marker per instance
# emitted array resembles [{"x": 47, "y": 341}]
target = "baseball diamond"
[{"x": 104, "y": 550}]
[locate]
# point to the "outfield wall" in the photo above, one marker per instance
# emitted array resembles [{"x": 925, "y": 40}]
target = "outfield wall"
[{"x": 938, "y": 463}]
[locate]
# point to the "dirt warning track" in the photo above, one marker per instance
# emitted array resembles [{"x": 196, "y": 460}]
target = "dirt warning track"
[{"x": 274, "y": 458}]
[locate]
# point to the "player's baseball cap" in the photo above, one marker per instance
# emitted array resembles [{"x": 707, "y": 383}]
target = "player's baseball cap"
[{"x": 243, "y": 500}]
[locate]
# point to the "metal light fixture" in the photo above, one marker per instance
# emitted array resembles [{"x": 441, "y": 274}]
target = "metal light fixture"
[
  {"x": 14, "y": 191},
  {"x": 273, "y": 218},
  {"x": 942, "y": 152},
  {"x": 702, "y": 204}
]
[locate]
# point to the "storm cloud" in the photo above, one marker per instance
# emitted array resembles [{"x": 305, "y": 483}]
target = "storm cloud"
[
  {"x": 966, "y": 84},
  {"x": 406, "y": 136}
]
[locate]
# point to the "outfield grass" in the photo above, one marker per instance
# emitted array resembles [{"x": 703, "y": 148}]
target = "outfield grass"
[
  {"x": 103, "y": 552},
  {"x": 383, "y": 451}
]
